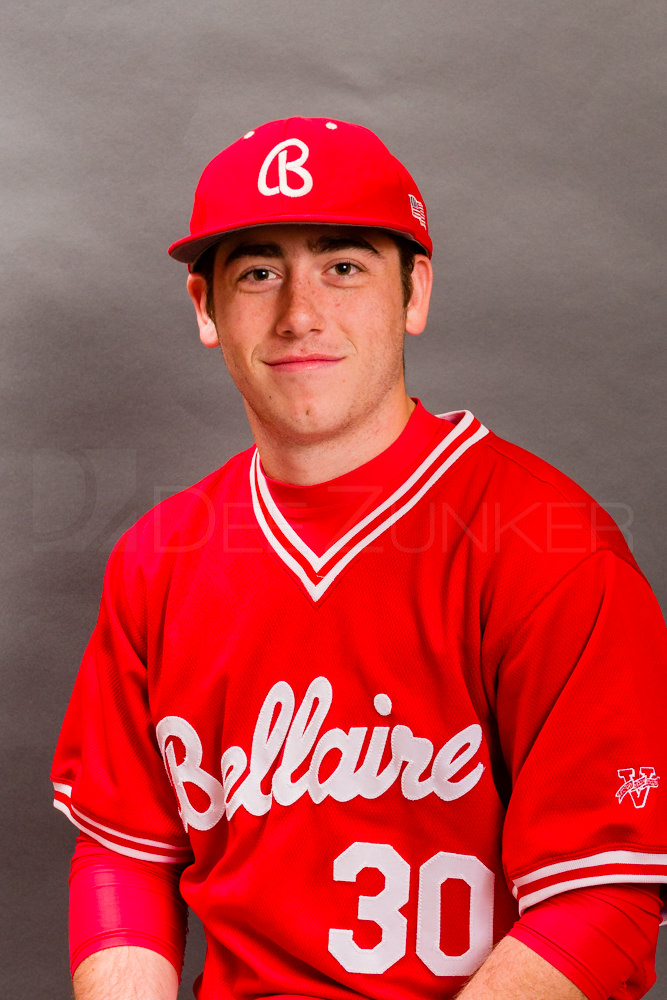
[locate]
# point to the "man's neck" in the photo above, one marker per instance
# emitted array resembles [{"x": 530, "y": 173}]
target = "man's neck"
[{"x": 307, "y": 462}]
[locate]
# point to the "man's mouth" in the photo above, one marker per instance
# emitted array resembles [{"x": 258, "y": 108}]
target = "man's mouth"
[{"x": 303, "y": 362}]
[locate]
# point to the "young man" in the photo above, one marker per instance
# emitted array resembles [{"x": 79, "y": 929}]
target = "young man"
[{"x": 381, "y": 699}]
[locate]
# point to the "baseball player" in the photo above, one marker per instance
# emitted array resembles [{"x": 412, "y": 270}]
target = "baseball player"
[{"x": 381, "y": 699}]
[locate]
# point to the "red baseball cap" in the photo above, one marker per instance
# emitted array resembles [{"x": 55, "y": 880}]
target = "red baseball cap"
[{"x": 303, "y": 170}]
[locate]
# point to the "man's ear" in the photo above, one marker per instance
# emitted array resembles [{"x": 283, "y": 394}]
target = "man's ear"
[
  {"x": 422, "y": 283},
  {"x": 197, "y": 290}
]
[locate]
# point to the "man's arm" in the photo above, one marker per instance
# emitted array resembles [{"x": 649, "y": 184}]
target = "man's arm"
[
  {"x": 511, "y": 972},
  {"x": 515, "y": 972},
  {"x": 125, "y": 973}
]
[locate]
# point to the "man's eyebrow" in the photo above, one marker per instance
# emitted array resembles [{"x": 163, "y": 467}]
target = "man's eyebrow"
[
  {"x": 254, "y": 250},
  {"x": 331, "y": 244},
  {"x": 324, "y": 244}
]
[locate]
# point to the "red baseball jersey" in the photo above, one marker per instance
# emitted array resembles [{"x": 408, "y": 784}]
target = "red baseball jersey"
[{"x": 372, "y": 759}]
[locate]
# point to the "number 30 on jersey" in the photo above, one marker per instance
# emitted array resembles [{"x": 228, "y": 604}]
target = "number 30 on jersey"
[{"x": 384, "y": 910}]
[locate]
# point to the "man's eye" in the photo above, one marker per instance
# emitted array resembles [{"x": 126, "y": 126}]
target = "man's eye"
[
  {"x": 344, "y": 268},
  {"x": 259, "y": 274},
  {"x": 256, "y": 275}
]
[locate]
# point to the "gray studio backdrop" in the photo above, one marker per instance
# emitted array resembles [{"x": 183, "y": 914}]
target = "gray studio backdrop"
[{"x": 536, "y": 131}]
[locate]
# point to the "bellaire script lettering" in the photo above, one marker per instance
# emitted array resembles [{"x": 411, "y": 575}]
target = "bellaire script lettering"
[{"x": 297, "y": 736}]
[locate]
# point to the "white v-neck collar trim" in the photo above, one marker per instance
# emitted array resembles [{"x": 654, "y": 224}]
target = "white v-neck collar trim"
[{"x": 275, "y": 526}]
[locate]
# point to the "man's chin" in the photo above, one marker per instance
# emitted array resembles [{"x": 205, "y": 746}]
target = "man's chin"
[{"x": 308, "y": 424}]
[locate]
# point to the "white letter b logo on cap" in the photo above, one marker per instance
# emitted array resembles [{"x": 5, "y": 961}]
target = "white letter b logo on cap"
[{"x": 285, "y": 166}]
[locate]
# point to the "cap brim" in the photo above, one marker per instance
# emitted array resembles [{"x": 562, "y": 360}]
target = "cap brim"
[{"x": 189, "y": 249}]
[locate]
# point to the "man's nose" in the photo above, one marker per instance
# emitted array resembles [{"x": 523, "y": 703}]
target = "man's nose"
[{"x": 300, "y": 307}]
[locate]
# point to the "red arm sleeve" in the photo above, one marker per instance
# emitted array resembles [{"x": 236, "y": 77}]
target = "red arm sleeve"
[
  {"x": 602, "y": 939},
  {"x": 117, "y": 900}
]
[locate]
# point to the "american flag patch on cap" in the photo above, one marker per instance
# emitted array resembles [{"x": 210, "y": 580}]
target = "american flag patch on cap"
[{"x": 417, "y": 209}]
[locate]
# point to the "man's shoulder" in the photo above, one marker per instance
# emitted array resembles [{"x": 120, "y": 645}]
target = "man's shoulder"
[
  {"x": 528, "y": 499},
  {"x": 185, "y": 520},
  {"x": 536, "y": 476},
  {"x": 537, "y": 473}
]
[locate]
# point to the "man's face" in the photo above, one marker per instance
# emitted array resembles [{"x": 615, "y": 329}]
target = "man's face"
[{"x": 311, "y": 321}]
